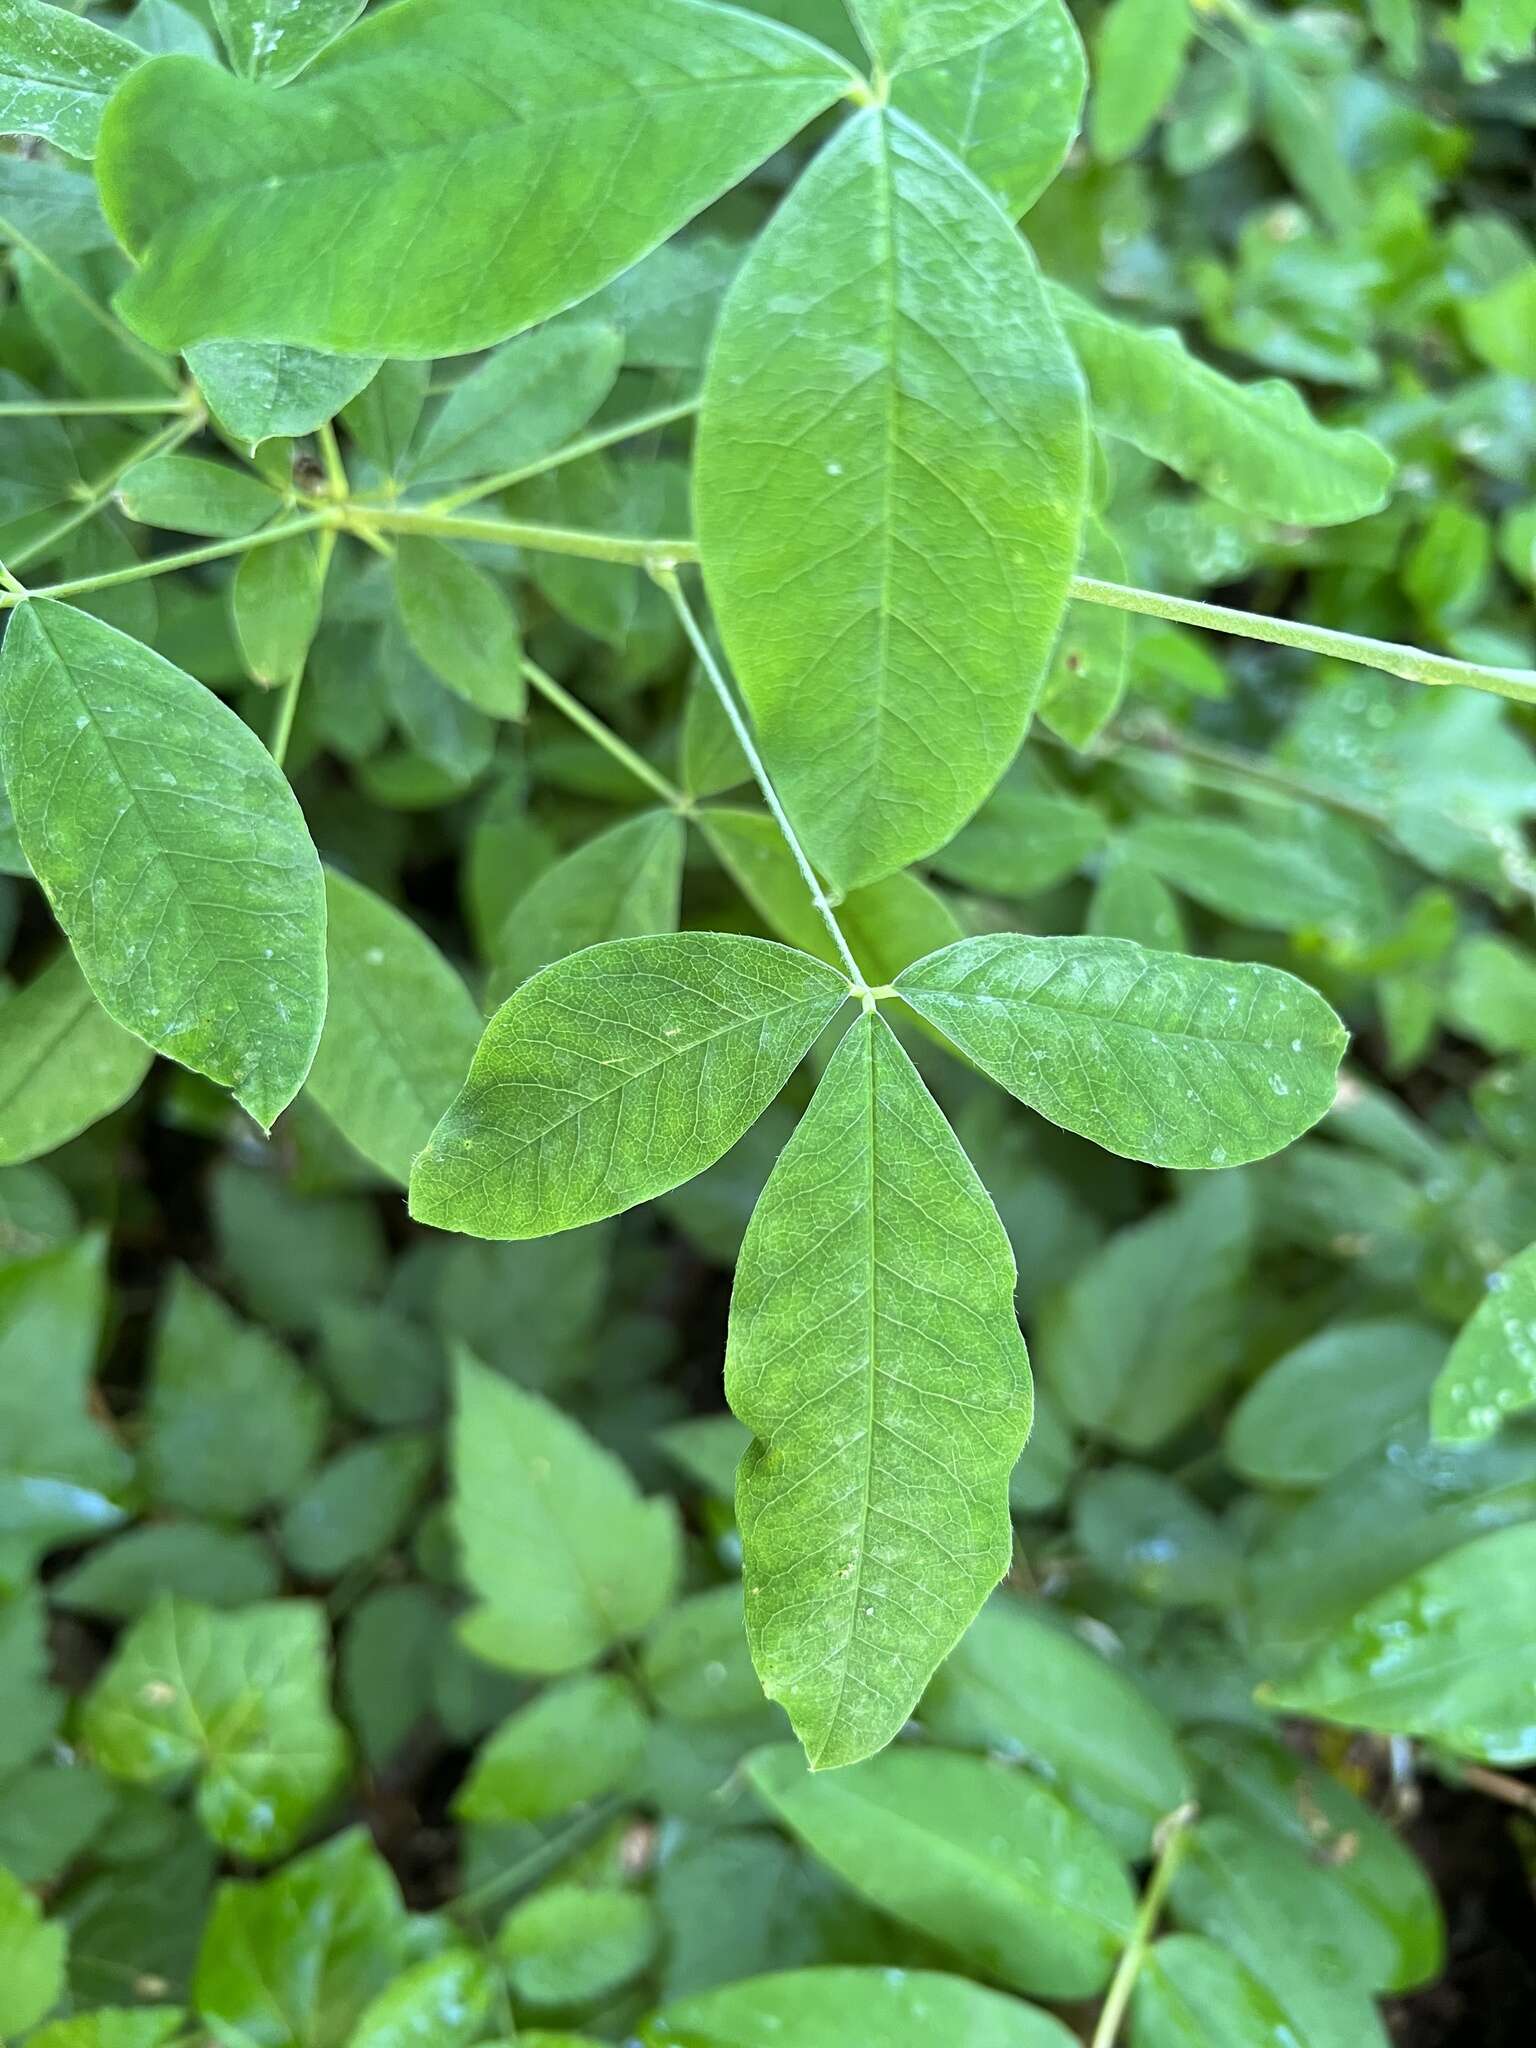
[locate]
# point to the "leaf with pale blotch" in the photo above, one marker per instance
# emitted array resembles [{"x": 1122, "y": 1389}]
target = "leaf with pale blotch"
[
  {"x": 616, "y": 1074},
  {"x": 400, "y": 1029},
  {"x": 172, "y": 851},
  {"x": 64, "y": 1064},
  {"x": 1255, "y": 446},
  {"x": 1008, "y": 107},
  {"x": 57, "y": 73},
  {"x": 876, "y": 1357},
  {"x": 900, "y": 34},
  {"x": 1491, "y": 1371},
  {"x": 889, "y": 486},
  {"x": 264, "y": 216},
  {"x": 1159, "y": 1056},
  {"x": 273, "y": 40}
]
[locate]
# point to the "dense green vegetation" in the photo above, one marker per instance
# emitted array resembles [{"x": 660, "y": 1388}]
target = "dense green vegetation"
[{"x": 664, "y": 786}]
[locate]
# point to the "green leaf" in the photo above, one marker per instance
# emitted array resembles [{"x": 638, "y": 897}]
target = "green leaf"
[
  {"x": 1444, "y": 1654},
  {"x": 273, "y": 40},
  {"x": 171, "y": 849},
  {"x": 568, "y": 1946},
  {"x": 32, "y": 1706},
  {"x": 275, "y": 599},
  {"x": 1091, "y": 662},
  {"x": 194, "y": 1560},
  {"x": 191, "y": 494},
  {"x": 1491, "y": 1371},
  {"x": 1491, "y": 993},
  {"x": 876, "y": 2008},
  {"x": 626, "y": 883},
  {"x": 231, "y": 199},
  {"x": 258, "y": 390},
  {"x": 1138, "y": 56},
  {"x": 137, "y": 2027},
  {"x": 615, "y": 1075},
  {"x": 891, "y": 396},
  {"x": 1009, "y": 106},
  {"x": 384, "y": 416},
  {"x": 356, "y": 1506},
  {"x": 575, "y": 1743},
  {"x": 461, "y": 622},
  {"x": 983, "y": 1859},
  {"x": 1159, "y": 1056},
  {"x": 35, "y": 1950},
  {"x": 400, "y": 1029},
  {"x": 566, "y": 1556},
  {"x": 875, "y": 1355},
  {"x": 1295, "y": 869},
  {"x": 293, "y": 1961},
  {"x": 1023, "y": 840},
  {"x": 901, "y": 34},
  {"x": 1144, "y": 1531},
  {"x": 241, "y": 1701},
  {"x": 1192, "y": 1994},
  {"x": 887, "y": 925},
  {"x": 444, "y": 1999},
  {"x": 1021, "y": 1685},
  {"x": 232, "y": 1423},
  {"x": 1129, "y": 902},
  {"x": 1323, "y": 1403},
  {"x": 57, "y": 73},
  {"x": 1255, "y": 446},
  {"x": 1151, "y": 1326},
  {"x": 527, "y": 399},
  {"x": 65, "y": 1063}
]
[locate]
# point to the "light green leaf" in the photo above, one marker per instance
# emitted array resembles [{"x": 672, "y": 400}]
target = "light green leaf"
[
  {"x": 901, "y": 34},
  {"x": 696, "y": 1666},
  {"x": 57, "y": 73},
  {"x": 1491, "y": 1371},
  {"x": 1159, "y": 1056},
  {"x": 624, "y": 884},
  {"x": 232, "y": 1423},
  {"x": 273, "y": 40},
  {"x": 356, "y": 1506},
  {"x": 1138, "y": 56},
  {"x": 876, "y": 2008},
  {"x": 275, "y": 599},
  {"x": 113, "y": 2027},
  {"x": 1255, "y": 446},
  {"x": 1009, "y": 106},
  {"x": 525, "y": 400},
  {"x": 1021, "y": 1685},
  {"x": 191, "y": 494},
  {"x": 887, "y": 925},
  {"x": 257, "y": 390},
  {"x": 400, "y": 1029},
  {"x": 1151, "y": 1326},
  {"x": 615, "y": 1075},
  {"x": 443, "y": 2000},
  {"x": 576, "y": 1742},
  {"x": 294, "y": 1960},
  {"x": 1023, "y": 840},
  {"x": 1091, "y": 662},
  {"x": 569, "y": 1946},
  {"x": 566, "y": 1556},
  {"x": 890, "y": 395},
  {"x": 984, "y": 1859},
  {"x": 875, "y": 1355},
  {"x": 1192, "y": 1994},
  {"x": 259, "y": 217},
  {"x": 35, "y": 1950},
  {"x": 1444, "y": 1654},
  {"x": 1323, "y": 1403},
  {"x": 240, "y": 1700},
  {"x": 64, "y": 1063},
  {"x": 1491, "y": 996},
  {"x": 461, "y": 622},
  {"x": 1129, "y": 902},
  {"x": 171, "y": 849}
]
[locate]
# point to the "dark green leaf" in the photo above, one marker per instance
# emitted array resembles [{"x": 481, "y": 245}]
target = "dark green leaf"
[
  {"x": 462, "y": 624},
  {"x": 1321, "y": 1405},
  {"x": 624, "y": 884},
  {"x": 528, "y": 398}
]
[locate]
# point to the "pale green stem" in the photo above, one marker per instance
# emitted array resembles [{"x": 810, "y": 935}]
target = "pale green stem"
[
  {"x": 1171, "y": 1841},
  {"x": 97, "y": 493},
  {"x": 667, "y": 578},
  {"x": 573, "y": 451},
  {"x": 1238, "y": 767},
  {"x": 287, "y": 710},
  {"x": 187, "y": 558},
  {"x": 1412, "y": 664},
  {"x": 11, "y": 583},
  {"x": 549, "y": 540},
  {"x": 156, "y": 364},
  {"x": 87, "y": 408},
  {"x": 594, "y": 728},
  {"x": 330, "y": 455}
]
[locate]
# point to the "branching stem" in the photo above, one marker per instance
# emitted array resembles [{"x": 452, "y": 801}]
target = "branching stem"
[
  {"x": 573, "y": 451},
  {"x": 609, "y": 740}
]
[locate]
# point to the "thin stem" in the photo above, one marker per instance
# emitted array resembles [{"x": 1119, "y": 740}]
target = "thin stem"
[
  {"x": 97, "y": 493},
  {"x": 667, "y": 578},
  {"x": 549, "y": 540},
  {"x": 187, "y": 558},
  {"x": 1170, "y": 1841},
  {"x": 595, "y": 729},
  {"x": 573, "y": 451},
  {"x": 330, "y": 455},
  {"x": 287, "y": 711},
  {"x": 1233, "y": 765},
  {"x": 87, "y": 408},
  {"x": 1412, "y": 664},
  {"x": 544, "y": 1856},
  {"x": 156, "y": 364}
]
